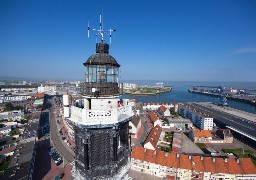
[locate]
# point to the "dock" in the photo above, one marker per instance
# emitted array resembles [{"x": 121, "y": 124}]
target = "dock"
[{"x": 246, "y": 98}]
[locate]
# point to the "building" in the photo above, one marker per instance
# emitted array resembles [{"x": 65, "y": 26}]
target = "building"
[
  {"x": 101, "y": 121},
  {"x": 15, "y": 115},
  {"x": 156, "y": 105},
  {"x": 200, "y": 136},
  {"x": 164, "y": 111},
  {"x": 153, "y": 138},
  {"x": 199, "y": 118},
  {"x": 177, "y": 123},
  {"x": 47, "y": 89},
  {"x": 9, "y": 98},
  {"x": 5, "y": 130},
  {"x": 135, "y": 125},
  {"x": 22, "y": 163},
  {"x": 128, "y": 86},
  {"x": 186, "y": 167},
  {"x": 154, "y": 119},
  {"x": 225, "y": 134}
]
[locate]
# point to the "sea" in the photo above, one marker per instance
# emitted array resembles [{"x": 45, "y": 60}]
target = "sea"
[{"x": 180, "y": 93}]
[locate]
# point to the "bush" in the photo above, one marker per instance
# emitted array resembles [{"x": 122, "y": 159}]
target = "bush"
[
  {"x": 201, "y": 145},
  {"x": 4, "y": 165},
  {"x": 14, "y": 132}
]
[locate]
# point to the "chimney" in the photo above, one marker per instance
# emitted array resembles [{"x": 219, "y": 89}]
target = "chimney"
[
  {"x": 178, "y": 155},
  {"x": 213, "y": 159},
  {"x": 237, "y": 161},
  {"x": 202, "y": 158},
  {"x": 165, "y": 154},
  {"x": 226, "y": 160},
  {"x": 189, "y": 157}
]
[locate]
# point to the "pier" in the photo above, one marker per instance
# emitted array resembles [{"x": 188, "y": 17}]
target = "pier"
[{"x": 241, "y": 95}]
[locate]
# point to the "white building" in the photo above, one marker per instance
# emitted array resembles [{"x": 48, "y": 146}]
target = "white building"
[
  {"x": 15, "y": 115},
  {"x": 185, "y": 167},
  {"x": 154, "y": 119},
  {"x": 46, "y": 89},
  {"x": 156, "y": 105},
  {"x": 9, "y": 98},
  {"x": 200, "y": 119},
  {"x": 129, "y": 85},
  {"x": 5, "y": 130},
  {"x": 164, "y": 111},
  {"x": 135, "y": 125},
  {"x": 18, "y": 89}
]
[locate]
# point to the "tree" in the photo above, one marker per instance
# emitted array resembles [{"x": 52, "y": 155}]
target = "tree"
[
  {"x": 8, "y": 107},
  {"x": 14, "y": 132}
]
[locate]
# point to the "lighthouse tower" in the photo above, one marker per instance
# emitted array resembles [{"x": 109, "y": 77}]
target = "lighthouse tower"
[{"x": 101, "y": 120}]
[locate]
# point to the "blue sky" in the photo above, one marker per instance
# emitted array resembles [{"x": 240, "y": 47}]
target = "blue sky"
[{"x": 169, "y": 40}]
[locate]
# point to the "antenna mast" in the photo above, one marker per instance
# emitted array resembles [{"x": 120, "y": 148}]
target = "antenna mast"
[{"x": 100, "y": 32}]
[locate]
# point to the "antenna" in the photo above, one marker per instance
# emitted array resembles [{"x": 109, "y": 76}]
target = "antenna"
[
  {"x": 101, "y": 31},
  {"x": 88, "y": 29}
]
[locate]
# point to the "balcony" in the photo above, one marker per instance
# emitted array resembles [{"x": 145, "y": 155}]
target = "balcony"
[{"x": 80, "y": 116}]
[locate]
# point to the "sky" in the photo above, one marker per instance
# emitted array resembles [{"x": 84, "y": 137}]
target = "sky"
[{"x": 167, "y": 40}]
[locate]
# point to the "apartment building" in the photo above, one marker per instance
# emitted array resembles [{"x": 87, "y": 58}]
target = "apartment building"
[{"x": 200, "y": 119}]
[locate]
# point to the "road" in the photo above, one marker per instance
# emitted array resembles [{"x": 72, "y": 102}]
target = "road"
[{"x": 58, "y": 143}]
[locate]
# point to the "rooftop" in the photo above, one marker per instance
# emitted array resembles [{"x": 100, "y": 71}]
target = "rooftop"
[
  {"x": 153, "y": 136},
  {"x": 197, "y": 163},
  {"x": 153, "y": 116},
  {"x": 202, "y": 133}
]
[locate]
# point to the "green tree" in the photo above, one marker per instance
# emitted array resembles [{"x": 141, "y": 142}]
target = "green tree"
[
  {"x": 14, "y": 132},
  {"x": 8, "y": 107}
]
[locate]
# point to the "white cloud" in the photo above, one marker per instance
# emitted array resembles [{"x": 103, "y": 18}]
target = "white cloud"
[{"x": 244, "y": 50}]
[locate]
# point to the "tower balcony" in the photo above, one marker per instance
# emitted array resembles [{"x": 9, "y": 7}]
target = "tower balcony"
[{"x": 100, "y": 118}]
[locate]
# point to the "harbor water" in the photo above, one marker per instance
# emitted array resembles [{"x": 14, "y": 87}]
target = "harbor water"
[{"x": 180, "y": 93}]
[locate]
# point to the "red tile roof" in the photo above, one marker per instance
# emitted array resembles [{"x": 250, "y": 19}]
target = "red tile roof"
[
  {"x": 170, "y": 177},
  {"x": 154, "y": 135},
  {"x": 138, "y": 152},
  {"x": 172, "y": 160},
  {"x": 162, "y": 108},
  {"x": 221, "y": 165},
  {"x": 234, "y": 167},
  {"x": 150, "y": 156},
  {"x": 39, "y": 95},
  {"x": 247, "y": 166},
  {"x": 185, "y": 162},
  {"x": 209, "y": 165},
  {"x": 7, "y": 150},
  {"x": 200, "y": 164},
  {"x": 197, "y": 164},
  {"x": 202, "y": 133},
  {"x": 152, "y": 116},
  {"x": 160, "y": 158}
]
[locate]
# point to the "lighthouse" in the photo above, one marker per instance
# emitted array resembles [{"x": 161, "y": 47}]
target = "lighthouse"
[{"x": 100, "y": 120}]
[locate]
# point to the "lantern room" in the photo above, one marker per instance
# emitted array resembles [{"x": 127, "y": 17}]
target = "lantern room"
[{"x": 101, "y": 73}]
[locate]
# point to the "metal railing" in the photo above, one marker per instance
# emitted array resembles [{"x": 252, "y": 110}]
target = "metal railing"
[{"x": 94, "y": 117}]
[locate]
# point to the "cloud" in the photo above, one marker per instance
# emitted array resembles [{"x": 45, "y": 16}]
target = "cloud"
[{"x": 244, "y": 50}]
